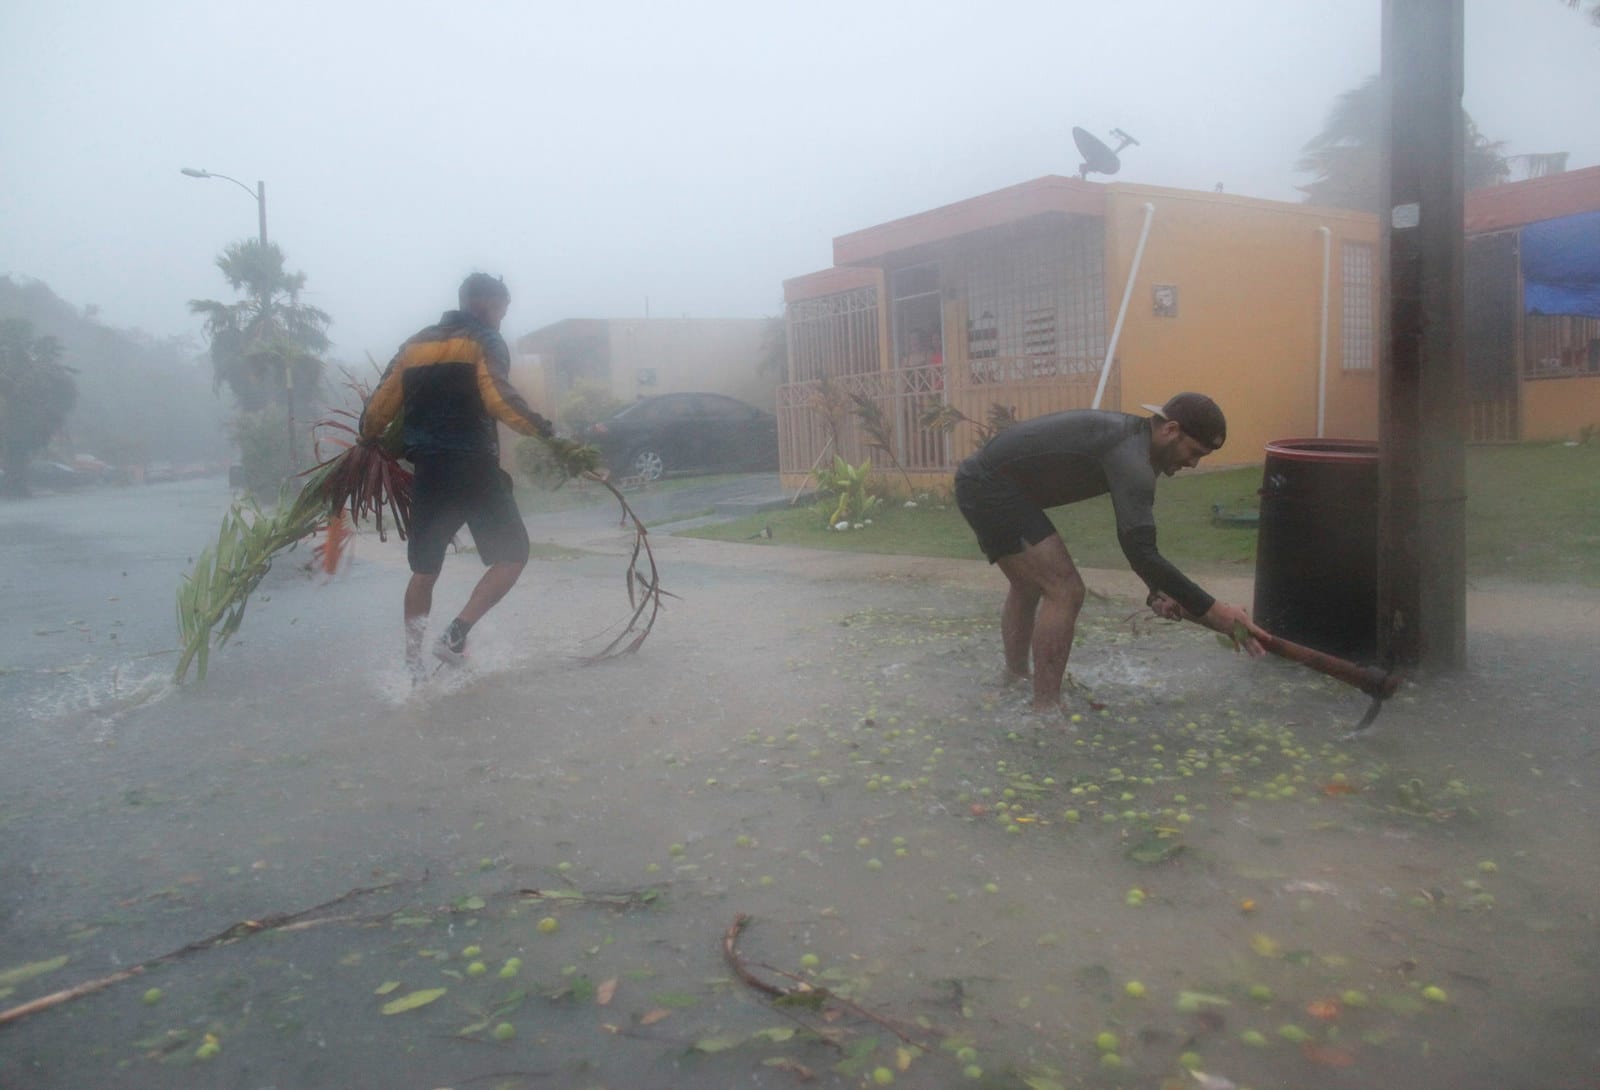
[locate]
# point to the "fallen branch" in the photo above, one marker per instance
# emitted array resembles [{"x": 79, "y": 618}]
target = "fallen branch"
[
  {"x": 644, "y": 588},
  {"x": 290, "y": 921},
  {"x": 805, "y": 993}
]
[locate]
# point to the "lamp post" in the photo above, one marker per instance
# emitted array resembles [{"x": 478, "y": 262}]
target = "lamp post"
[{"x": 259, "y": 195}]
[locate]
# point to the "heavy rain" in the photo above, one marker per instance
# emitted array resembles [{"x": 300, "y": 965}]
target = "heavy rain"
[{"x": 732, "y": 784}]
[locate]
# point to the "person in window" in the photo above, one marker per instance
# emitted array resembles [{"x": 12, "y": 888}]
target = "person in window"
[{"x": 1004, "y": 489}]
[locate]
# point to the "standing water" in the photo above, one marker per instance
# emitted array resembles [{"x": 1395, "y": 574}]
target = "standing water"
[{"x": 561, "y": 875}]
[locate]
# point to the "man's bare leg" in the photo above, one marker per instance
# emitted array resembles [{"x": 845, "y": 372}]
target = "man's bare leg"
[
  {"x": 492, "y": 586},
  {"x": 1048, "y": 567},
  {"x": 1016, "y": 627},
  {"x": 419, "y": 600}
]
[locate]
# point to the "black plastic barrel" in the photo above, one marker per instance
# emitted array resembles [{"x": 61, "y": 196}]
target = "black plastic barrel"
[{"x": 1317, "y": 545}]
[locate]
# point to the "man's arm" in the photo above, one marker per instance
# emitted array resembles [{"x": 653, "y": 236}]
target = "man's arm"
[
  {"x": 385, "y": 402},
  {"x": 1159, "y": 573},
  {"x": 501, "y": 399}
]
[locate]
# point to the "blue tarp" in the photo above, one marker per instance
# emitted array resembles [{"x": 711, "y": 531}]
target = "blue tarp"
[{"x": 1561, "y": 266}]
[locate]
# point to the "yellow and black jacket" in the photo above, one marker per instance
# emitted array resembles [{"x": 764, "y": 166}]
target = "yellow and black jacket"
[{"x": 449, "y": 384}]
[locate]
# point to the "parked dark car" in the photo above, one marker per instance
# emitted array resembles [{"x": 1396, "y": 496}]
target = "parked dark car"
[
  {"x": 57, "y": 476},
  {"x": 686, "y": 433}
]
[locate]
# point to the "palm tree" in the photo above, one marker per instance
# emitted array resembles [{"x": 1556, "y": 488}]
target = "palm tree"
[
  {"x": 37, "y": 391},
  {"x": 1346, "y": 156},
  {"x": 269, "y": 341},
  {"x": 1594, "y": 10}
]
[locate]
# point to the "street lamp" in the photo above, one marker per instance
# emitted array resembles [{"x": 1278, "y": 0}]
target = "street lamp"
[{"x": 259, "y": 195}]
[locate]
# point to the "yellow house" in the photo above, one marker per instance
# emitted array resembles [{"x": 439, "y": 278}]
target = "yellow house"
[
  {"x": 1533, "y": 308},
  {"x": 1062, "y": 293}
]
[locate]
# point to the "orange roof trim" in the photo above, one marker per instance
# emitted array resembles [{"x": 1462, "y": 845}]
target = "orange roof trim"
[
  {"x": 1052, "y": 193},
  {"x": 1518, "y": 203},
  {"x": 828, "y": 282}
]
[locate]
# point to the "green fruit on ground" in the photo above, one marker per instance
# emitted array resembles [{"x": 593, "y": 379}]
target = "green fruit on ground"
[
  {"x": 207, "y": 1051},
  {"x": 966, "y": 1054},
  {"x": 1353, "y": 998},
  {"x": 504, "y": 1031},
  {"x": 1107, "y": 1041},
  {"x": 548, "y": 925},
  {"x": 1110, "y": 1059},
  {"x": 1435, "y": 994},
  {"x": 809, "y": 961},
  {"x": 1261, "y": 993},
  {"x": 1253, "y": 1038},
  {"x": 1291, "y": 1032},
  {"x": 1190, "y": 1061},
  {"x": 153, "y": 995},
  {"x": 471, "y": 951},
  {"x": 477, "y": 968},
  {"x": 972, "y": 1071},
  {"x": 1134, "y": 989},
  {"x": 882, "y": 1076}
]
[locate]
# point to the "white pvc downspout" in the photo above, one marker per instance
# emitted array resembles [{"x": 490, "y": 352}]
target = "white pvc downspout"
[
  {"x": 1122, "y": 312},
  {"x": 1322, "y": 352}
]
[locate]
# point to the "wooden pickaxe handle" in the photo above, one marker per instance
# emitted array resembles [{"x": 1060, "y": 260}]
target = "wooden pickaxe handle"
[{"x": 1376, "y": 683}]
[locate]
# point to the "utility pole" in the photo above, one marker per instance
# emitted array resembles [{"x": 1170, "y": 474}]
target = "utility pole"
[{"x": 1422, "y": 463}]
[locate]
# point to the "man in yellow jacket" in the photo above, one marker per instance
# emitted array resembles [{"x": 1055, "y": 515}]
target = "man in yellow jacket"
[{"x": 449, "y": 384}]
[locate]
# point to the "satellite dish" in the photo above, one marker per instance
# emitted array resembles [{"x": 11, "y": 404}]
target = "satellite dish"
[{"x": 1097, "y": 157}]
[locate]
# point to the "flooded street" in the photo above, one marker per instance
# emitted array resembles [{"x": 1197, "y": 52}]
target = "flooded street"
[{"x": 1204, "y": 871}]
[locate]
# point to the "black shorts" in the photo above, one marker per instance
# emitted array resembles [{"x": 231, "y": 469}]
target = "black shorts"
[
  {"x": 471, "y": 489},
  {"x": 1001, "y": 514}
]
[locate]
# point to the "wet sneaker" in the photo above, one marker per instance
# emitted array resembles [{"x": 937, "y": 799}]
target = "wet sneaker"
[{"x": 451, "y": 648}]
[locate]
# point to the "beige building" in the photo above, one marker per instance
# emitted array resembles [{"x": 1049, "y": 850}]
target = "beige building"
[{"x": 642, "y": 357}]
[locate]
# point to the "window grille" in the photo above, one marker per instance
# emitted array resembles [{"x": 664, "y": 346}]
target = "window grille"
[
  {"x": 1359, "y": 326},
  {"x": 833, "y": 335},
  {"x": 1036, "y": 304}
]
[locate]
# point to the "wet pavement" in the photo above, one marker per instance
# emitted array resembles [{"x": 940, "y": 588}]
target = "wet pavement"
[{"x": 1201, "y": 870}]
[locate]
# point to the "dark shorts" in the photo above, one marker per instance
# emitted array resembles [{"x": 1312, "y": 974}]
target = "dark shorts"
[
  {"x": 1001, "y": 514},
  {"x": 455, "y": 489}
]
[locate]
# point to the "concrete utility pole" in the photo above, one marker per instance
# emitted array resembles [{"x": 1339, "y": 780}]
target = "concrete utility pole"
[{"x": 1422, "y": 463}]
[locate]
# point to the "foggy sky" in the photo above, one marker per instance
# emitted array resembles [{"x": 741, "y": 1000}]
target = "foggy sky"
[{"x": 694, "y": 154}]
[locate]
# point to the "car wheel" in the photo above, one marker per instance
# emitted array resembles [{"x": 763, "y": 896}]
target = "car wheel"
[{"x": 647, "y": 464}]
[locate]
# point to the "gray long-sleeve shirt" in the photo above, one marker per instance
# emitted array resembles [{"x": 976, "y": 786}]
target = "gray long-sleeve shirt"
[{"x": 1070, "y": 456}]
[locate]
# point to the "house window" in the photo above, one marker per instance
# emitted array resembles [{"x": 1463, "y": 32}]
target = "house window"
[
  {"x": 1036, "y": 303},
  {"x": 833, "y": 335},
  {"x": 1358, "y": 329}
]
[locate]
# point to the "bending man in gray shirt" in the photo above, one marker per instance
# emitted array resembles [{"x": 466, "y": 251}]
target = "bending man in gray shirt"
[{"x": 1003, "y": 489}]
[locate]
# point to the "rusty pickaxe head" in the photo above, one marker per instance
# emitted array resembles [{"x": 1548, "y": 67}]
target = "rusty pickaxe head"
[{"x": 1380, "y": 686}]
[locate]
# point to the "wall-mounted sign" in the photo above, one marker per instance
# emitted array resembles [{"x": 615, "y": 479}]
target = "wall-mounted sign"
[{"x": 1166, "y": 300}]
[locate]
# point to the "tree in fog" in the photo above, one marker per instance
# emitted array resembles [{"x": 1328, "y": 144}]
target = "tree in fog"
[
  {"x": 258, "y": 343},
  {"x": 37, "y": 392},
  {"x": 1346, "y": 157},
  {"x": 1593, "y": 12}
]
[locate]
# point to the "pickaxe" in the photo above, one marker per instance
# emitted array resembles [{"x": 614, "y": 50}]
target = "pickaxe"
[{"x": 1380, "y": 685}]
